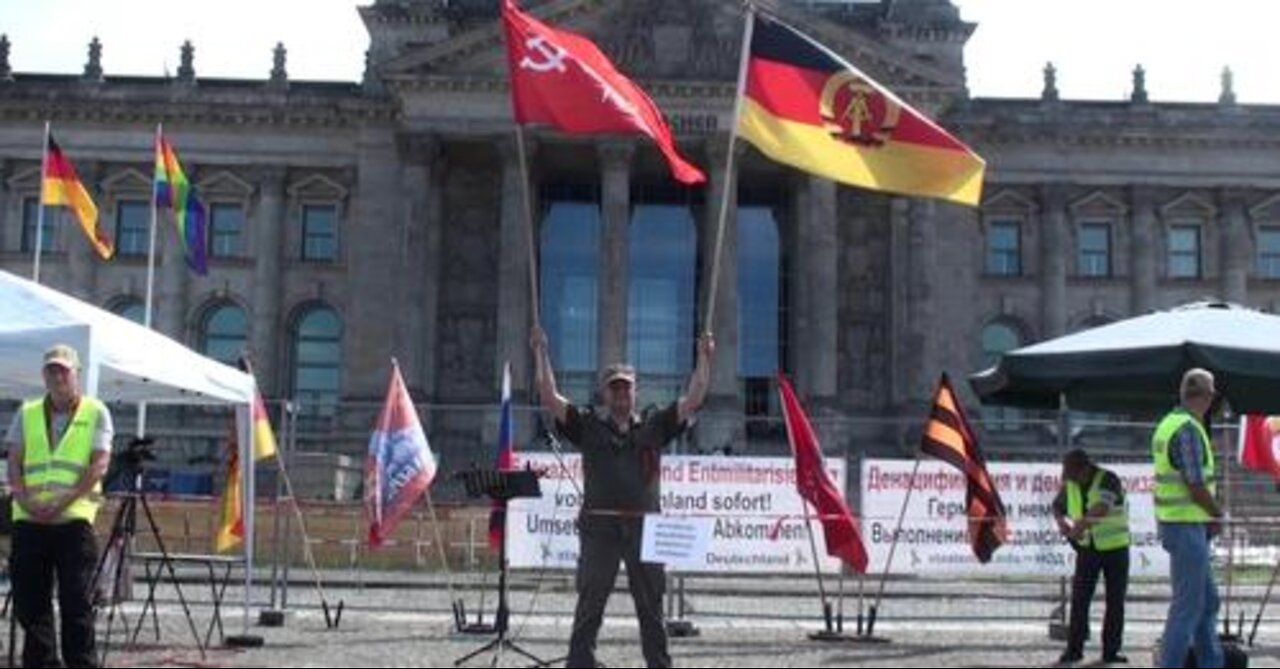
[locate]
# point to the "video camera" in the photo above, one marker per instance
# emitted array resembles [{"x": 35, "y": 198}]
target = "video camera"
[{"x": 138, "y": 452}]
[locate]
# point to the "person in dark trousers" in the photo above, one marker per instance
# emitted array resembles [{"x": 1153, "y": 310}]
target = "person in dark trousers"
[
  {"x": 1092, "y": 513},
  {"x": 59, "y": 448},
  {"x": 1189, "y": 518},
  {"x": 621, "y": 453}
]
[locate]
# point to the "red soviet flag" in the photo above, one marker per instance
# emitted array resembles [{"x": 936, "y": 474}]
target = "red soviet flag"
[
  {"x": 563, "y": 80},
  {"x": 838, "y": 524},
  {"x": 1259, "y": 441}
]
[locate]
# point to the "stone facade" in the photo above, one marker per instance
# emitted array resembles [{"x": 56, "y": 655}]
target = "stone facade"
[{"x": 883, "y": 293}]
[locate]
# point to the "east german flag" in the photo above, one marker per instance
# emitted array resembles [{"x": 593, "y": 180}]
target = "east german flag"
[
  {"x": 806, "y": 107},
  {"x": 948, "y": 437}
]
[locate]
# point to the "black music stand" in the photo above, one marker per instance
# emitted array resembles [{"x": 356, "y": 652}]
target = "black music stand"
[{"x": 501, "y": 486}]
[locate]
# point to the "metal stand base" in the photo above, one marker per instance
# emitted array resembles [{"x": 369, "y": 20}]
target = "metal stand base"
[{"x": 244, "y": 641}]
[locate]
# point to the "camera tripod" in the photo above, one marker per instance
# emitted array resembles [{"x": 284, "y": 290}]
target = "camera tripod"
[{"x": 123, "y": 532}]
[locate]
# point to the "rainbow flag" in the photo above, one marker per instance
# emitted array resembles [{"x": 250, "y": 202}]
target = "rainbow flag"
[
  {"x": 174, "y": 190},
  {"x": 806, "y": 107},
  {"x": 61, "y": 185}
]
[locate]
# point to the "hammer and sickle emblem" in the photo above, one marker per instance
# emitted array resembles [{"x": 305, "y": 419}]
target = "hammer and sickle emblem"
[{"x": 552, "y": 56}]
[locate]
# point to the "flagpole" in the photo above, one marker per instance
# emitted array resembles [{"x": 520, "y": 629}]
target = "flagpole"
[
  {"x": 817, "y": 568},
  {"x": 874, "y": 611},
  {"x": 44, "y": 169},
  {"x": 729, "y": 178},
  {"x": 526, "y": 198},
  {"x": 151, "y": 279}
]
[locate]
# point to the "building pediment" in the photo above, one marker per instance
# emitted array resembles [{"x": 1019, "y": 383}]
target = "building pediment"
[{"x": 670, "y": 41}]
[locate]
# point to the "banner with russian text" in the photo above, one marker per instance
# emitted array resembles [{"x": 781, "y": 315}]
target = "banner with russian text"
[
  {"x": 933, "y": 539},
  {"x": 757, "y": 517}
]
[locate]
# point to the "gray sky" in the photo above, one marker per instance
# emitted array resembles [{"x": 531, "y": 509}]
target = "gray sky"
[{"x": 1095, "y": 43}]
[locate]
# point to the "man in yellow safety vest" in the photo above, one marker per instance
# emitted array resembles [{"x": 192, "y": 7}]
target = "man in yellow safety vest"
[
  {"x": 1093, "y": 515},
  {"x": 1189, "y": 518},
  {"x": 59, "y": 448}
]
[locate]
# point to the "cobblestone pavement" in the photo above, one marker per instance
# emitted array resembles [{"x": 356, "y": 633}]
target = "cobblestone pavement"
[{"x": 742, "y": 624}]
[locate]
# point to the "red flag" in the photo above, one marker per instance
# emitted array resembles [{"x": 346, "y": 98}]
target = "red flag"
[
  {"x": 948, "y": 437},
  {"x": 838, "y": 524},
  {"x": 1259, "y": 440},
  {"x": 563, "y": 80},
  {"x": 400, "y": 465}
]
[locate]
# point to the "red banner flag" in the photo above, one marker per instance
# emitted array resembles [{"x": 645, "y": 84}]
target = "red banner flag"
[
  {"x": 948, "y": 437},
  {"x": 1259, "y": 441},
  {"x": 562, "y": 79},
  {"x": 838, "y": 524},
  {"x": 400, "y": 465}
]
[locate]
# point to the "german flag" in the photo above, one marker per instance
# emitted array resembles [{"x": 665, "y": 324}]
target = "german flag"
[
  {"x": 948, "y": 437},
  {"x": 264, "y": 439},
  {"x": 62, "y": 186},
  {"x": 806, "y": 107}
]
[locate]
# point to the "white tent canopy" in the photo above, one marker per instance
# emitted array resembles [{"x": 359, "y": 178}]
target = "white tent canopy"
[{"x": 123, "y": 361}]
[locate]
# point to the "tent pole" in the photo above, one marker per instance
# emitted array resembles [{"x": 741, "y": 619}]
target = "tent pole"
[
  {"x": 1064, "y": 424},
  {"x": 1228, "y": 531}
]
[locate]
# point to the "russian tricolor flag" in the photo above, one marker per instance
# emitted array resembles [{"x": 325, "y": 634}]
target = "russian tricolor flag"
[
  {"x": 400, "y": 465},
  {"x": 506, "y": 460}
]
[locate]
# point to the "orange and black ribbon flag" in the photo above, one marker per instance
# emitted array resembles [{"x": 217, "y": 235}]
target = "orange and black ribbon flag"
[
  {"x": 948, "y": 437},
  {"x": 62, "y": 186},
  {"x": 807, "y": 107}
]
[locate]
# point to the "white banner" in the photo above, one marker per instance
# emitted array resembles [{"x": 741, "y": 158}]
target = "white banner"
[
  {"x": 934, "y": 536},
  {"x": 756, "y": 515},
  {"x": 679, "y": 542}
]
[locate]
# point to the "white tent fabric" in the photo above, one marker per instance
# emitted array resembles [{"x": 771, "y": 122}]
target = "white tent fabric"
[{"x": 123, "y": 361}]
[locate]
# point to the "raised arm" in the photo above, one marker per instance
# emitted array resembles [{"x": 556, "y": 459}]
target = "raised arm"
[
  {"x": 700, "y": 382},
  {"x": 545, "y": 377}
]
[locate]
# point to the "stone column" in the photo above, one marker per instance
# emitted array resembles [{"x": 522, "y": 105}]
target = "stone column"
[
  {"x": 1054, "y": 254},
  {"x": 1234, "y": 245},
  {"x": 725, "y": 389},
  {"x": 615, "y": 210},
  {"x": 901, "y": 353},
  {"x": 513, "y": 268},
  {"x": 11, "y": 214},
  {"x": 1143, "y": 243},
  {"x": 818, "y": 261},
  {"x": 266, "y": 325},
  {"x": 420, "y": 258}
]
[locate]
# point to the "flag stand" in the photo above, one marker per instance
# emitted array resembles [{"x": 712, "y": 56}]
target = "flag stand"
[
  {"x": 833, "y": 617},
  {"x": 1266, "y": 599},
  {"x": 332, "y": 616},
  {"x": 874, "y": 612}
]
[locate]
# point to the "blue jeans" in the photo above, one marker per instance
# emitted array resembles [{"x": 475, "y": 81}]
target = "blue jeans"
[{"x": 1193, "y": 611}]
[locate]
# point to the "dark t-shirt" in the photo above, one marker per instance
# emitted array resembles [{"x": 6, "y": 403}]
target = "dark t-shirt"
[{"x": 621, "y": 471}]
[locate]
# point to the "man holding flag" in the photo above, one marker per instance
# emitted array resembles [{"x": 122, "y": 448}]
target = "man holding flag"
[{"x": 621, "y": 453}]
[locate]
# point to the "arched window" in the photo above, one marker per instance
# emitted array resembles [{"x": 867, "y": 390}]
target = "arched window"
[
  {"x": 663, "y": 252},
  {"x": 131, "y": 308},
  {"x": 999, "y": 338},
  {"x": 317, "y": 359},
  {"x": 570, "y": 289},
  {"x": 223, "y": 333}
]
